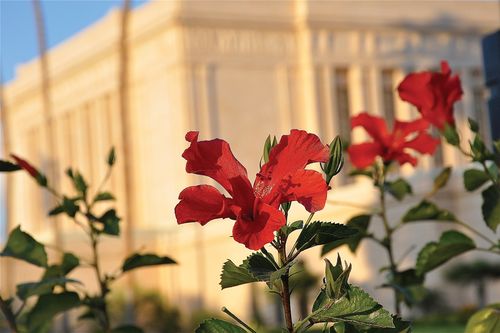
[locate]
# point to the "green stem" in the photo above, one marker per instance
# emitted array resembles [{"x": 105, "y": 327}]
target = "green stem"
[
  {"x": 9, "y": 315},
  {"x": 285, "y": 292},
  {"x": 479, "y": 234},
  {"x": 241, "y": 322}
]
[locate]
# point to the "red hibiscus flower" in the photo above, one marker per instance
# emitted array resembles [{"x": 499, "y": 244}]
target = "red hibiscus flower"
[
  {"x": 255, "y": 208},
  {"x": 390, "y": 146},
  {"x": 433, "y": 94}
]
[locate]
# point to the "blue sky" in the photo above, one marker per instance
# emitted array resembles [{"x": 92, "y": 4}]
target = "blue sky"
[
  {"x": 18, "y": 43},
  {"x": 63, "y": 18}
]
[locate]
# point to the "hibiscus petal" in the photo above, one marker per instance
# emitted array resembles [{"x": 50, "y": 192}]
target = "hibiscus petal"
[
  {"x": 363, "y": 155},
  {"x": 202, "y": 203},
  {"x": 375, "y": 126},
  {"x": 405, "y": 128},
  {"x": 413, "y": 89},
  {"x": 403, "y": 158},
  {"x": 292, "y": 153},
  {"x": 423, "y": 143},
  {"x": 213, "y": 159},
  {"x": 308, "y": 187},
  {"x": 259, "y": 231}
]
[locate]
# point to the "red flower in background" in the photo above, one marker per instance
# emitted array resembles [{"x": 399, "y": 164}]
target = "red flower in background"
[
  {"x": 255, "y": 208},
  {"x": 433, "y": 94},
  {"x": 26, "y": 166},
  {"x": 390, "y": 146}
]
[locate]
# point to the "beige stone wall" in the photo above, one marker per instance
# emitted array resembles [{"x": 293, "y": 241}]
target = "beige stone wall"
[{"x": 239, "y": 71}]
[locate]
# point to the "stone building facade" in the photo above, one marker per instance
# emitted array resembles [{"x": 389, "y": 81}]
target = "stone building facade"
[{"x": 237, "y": 70}]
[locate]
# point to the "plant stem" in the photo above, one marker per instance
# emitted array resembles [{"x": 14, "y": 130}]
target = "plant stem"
[
  {"x": 102, "y": 284},
  {"x": 285, "y": 292},
  {"x": 241, "y": 322},
  {"x": 9, "y": 316},
  {"x": 387, "y": 243},
  {"x": 479, "y": 234}
]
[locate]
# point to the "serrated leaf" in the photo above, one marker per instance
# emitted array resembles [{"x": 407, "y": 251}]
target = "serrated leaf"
[
  {"x": 50, "y": 305},
  {"x": 486, "y": 320},
  {"x": 233, "y": 275},
  {"x": 399, "y": 188},
  {"x": 21, "y": 245},
  {"x": 401, "y": 326},
  {"x": 137, "y": 260},
  {"x": 474, "y": 179},
  {"x": 45, "y": 286},
  {"x": 319, "y": 233},
  {"x": 442, "y": 178},
  {"x": 491, "y": 207},
  {"x": 357, "y": 308},
  {"x": 259, "y": 266},
  {"x": 127, "y": 329},
  {"x": 361, "y": 223},
  {"x": 427, "y": 210},
  {"x": 218, "y": 326},
  {"x": 6, "y": 166},
  {"x": 451, "y": 244}
]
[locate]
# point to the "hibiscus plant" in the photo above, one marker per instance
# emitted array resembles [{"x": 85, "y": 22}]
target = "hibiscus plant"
[
  {"x": 36, "y": 303},
  {"x": 262, "y": 225},
  {"x": 434, "y": 95}
]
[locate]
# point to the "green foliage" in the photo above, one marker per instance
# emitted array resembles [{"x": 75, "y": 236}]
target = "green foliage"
[
  {"x": 359, "y": 223},
  {"x": 442, "y": 178},
  {"x": 486, "y": 320},
  {"x": 357, "y": 308},
  {"x": 474, "y": 179},
  {"x": 6, "y": 166},
  {"x": 398, "y": 188},
  {"x": 45, "y": 286},
  {"x": 137, "y": 260},
  {"x": 450, "y": 244},
  {"x": 104, "y": 196},
  {"x": 21, "y": 245},
  {"x": 451, "y": 135},
  {"x": 111, "y": 160},
  {"x": 320, "y": 233},
  {"x": 233, "y": 275},
  {"x": 427, "y": 210},
  {"x": 491, "y": 206},
  {"x": 336, "y": 278},
  {"x": 336, "y": 160},
  {"x": 289, "y": 228},
  {"x": 218, "y": 326},
  {"x": 68, "y": 206},
  {"x": 48, "y": 306}
]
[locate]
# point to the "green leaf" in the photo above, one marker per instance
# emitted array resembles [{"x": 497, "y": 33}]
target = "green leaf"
[
  {"x": 319, "y": 233},
  {"x": 110, "y": 222},
  {"x": 218, "y": 326},
  {"x": 474, "y": 179},
  {"x": 486, "y": 320},
  {"x": 336, "y": 279},
  {"x": 427, "y": 210},
  {"x": 21, "y": 245},
  {"x": 45, "y": 286},
  {"x": 79, "y": 183},
  {"x": 442, "y": 178},
  {"x": 398, "y": 188},
  {"x": 491, "y": 207},
  {"x": 267, "y": 148},
  {"x": 148, "y": 259},
  {"x": 111, "y": 157},
  {"x": 320, "y": 300},
  {"x": 473, "y": 125},
  {"x": 103, "y": 196},
  {"x": 451, "y": 135},
  {"x": 451, "y": 244},
  {"x": 127, "y": 329},
  {"x": 288, "y": 229},
  {"x": 233, "y": 275},
  {"x": 69, "y": 262},
  {"x": 50, "y": 305},
  {"x": 259, "y": 266},
  {"x": 401, "y": 326},
  {"x": 357, "y": 308},
  {"x": 361, "y": 224},
  {"x": 6, "y": 166}
]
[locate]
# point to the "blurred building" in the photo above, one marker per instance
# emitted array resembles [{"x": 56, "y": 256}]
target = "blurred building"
[{"x": 238, "y": 70}]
